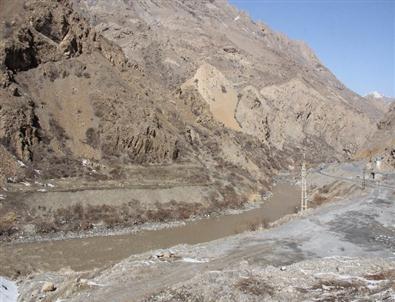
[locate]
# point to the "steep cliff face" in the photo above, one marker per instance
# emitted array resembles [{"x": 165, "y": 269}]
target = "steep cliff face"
[{"x": 220, "y": 51}]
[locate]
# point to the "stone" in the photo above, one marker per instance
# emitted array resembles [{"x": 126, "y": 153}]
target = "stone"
[{"x": 48, "y": 287}]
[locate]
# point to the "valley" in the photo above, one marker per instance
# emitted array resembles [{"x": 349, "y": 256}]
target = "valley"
[{"x": 153, "y": 151}]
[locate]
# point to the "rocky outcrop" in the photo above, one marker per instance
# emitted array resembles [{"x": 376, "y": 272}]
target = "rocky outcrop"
[
  {"x": 9, "y": 167},
  {"x": 52, "y": 32},
  {"x": 149, "y": 145},
  {"x": 19, "y": 128}
]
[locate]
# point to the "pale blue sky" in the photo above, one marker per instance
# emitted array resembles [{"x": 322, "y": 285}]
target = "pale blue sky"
[{"x": 355, "y": 39}]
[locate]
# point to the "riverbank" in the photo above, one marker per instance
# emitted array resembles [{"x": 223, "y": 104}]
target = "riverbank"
[
  {"x": 101, "y": 250},
  {"x": 340, "y": 249}
]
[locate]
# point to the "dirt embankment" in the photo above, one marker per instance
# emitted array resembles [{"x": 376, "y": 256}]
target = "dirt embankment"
[{"x": 74, "y": 205}]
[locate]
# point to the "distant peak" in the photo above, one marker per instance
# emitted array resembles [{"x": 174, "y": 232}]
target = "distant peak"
[{"x": 375, "y": 95}]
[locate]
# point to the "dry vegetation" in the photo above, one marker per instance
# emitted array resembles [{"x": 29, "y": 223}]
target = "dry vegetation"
[
  {"x": 83, "y": 217},
  {"x": 254, "y": 286}
]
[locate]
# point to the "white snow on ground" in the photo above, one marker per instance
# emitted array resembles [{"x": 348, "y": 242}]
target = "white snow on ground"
[
  {"x": 237, "y": 18},
  {"x": 8, "y": 290},
  {"x": 91, "y": 283},
  {"x": 192, "y": 260},
  {"x": 21, "y": 163}
]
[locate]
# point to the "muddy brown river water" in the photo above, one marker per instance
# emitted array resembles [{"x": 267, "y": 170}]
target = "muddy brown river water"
[{"x": 95, "y": 252}]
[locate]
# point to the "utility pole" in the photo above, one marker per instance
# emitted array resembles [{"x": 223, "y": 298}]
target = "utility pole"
[{"x": 303, "y": 202}]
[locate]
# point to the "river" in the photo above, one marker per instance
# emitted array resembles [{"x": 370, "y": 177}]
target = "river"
[{"x": 95, "y": 252}]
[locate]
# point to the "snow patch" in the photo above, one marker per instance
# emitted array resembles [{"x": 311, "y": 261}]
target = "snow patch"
[
  {"x": 92, "y": 283},
  {"x": 8, "y": 290},
  {"x": 237, "y": 18},
  {"x": 375, "y": 94},
  {"x": 21, "y": 163},
  {"x": 192, "y": 260}
]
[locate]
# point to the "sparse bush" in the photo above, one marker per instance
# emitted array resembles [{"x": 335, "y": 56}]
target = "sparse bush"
[
  {"x": 57, "y": 130},
  {"x": 325, "y": 189},
  {"x": 7, "y": 224},
  {"x": 46, "y": 227},
  {"x": 319, "y": 199},
  {"x": 253, "y": 286},
  {"x": 383, "y": 275},
  {"x": 350, "y": 286},
  {"x": 92, "y": 137},
  {"x": 117, "y": 173}
]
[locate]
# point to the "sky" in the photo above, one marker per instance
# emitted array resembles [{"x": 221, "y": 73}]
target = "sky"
[{"x": 355, "y": 39}]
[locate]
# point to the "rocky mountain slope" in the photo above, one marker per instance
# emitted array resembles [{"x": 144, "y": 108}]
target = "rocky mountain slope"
[
  {"x": 381, "y": 102},
  {"x": 276, "y": 89},
  {"x": 194, "y": 92},
  {"x": 382, "y": 141},
  {"x": 76, "y": 115}
]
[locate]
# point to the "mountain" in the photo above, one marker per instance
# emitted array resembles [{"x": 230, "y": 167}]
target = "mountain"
[
  {"x": 379, "y": 96},
  {"x": 279, "y": 91},
  {"x": 381, "y": 102},
  {"x": 192, "y": 94}
]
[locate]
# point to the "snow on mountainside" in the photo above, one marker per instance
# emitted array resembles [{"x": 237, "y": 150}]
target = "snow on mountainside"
[
  {"x": 375, "y": 94},
  {"x": 380, "y": 101},
  {"x": 378, "y": 95}
]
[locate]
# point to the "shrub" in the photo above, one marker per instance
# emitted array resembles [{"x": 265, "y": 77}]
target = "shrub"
[
  {"x": 46, "y": 227},
  {"x": 253, "y": 286},
  {"x": 319, "y": 199},
  {"x": 92, "y": 137}
]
